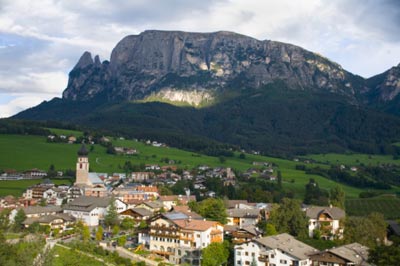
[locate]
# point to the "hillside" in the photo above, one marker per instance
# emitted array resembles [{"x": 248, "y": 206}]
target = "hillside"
[
  {"x": 26, "y": 152},
  {"x": 225, "y": 87}
]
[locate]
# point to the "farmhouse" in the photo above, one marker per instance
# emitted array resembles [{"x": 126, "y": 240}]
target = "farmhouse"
[{"x": 327, "y": 220}]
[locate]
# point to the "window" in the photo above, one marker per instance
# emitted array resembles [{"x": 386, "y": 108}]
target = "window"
[
  {"x": 238, "y": 262},
  {"x": 247, "y": 262},
  {"x": 253, "y": 254},
  {"x": 272, "y": 256},
  {"x": 246, "y": 253},
  {"x": 283, "y": 261}
]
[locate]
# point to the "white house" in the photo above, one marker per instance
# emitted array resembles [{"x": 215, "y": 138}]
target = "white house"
[
  {"x": 327, "y": 220},
  {"x": 91, "y": 210},
  {"x": 279, "y": 250},
  {"x": 243, "y": 217}
]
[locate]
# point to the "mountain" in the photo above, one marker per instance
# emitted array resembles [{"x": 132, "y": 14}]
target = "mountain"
[{"x": 230, "y": 88}]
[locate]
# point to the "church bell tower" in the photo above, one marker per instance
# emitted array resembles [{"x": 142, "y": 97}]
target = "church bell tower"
[{"x": 82, "y": 167}]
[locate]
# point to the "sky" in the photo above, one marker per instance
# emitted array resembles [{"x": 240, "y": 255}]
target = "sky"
[{"x": 41, "y": 41}]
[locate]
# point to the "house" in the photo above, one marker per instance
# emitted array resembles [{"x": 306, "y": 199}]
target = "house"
[
  {"x": 35, "y": 174},
  {"x": 173, "y": 200},
  {"x": 243, "y": 217},
  {"x": 137, "y": 214},
  {"x": 352, "y": 254},
  {"x": 71, "y": 139},
  {"x": 180, "y": 239},
  {"x": 91, "y": 210},
  {"x": 37, "y": 211},
  {"x": 153, "y": 206},
  {"x": 327, "y": 220},
  {"x": 241, "y": 235},
  {"x": 59, "y": 221},
  {"x": 141, "y": 176},
  {"x": 279, "y": 250}
]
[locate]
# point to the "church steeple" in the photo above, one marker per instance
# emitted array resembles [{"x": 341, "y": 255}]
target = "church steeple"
[{"x": 82, "y": 167}]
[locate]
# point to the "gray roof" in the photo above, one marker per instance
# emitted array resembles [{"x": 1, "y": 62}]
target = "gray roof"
[
  {"x": 41, "y": 209},
  {"x": 142, "y": 211},
  {"x": 334, "y": 212},
  {"x": 95, "y": 179},
  {"x": 288, "y": 244},
  {"x": 243, "y": 213},
  {"x": 354, "y": 252},
  {"x": 87, "y": 204},
  {"x": 49, "y": 218},
  {"x": 154, "y": 204},
  {"x": 175, "y": 216}
]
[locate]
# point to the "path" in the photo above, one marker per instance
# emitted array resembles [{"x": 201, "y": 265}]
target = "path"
[{"x": 134, "y": 257}]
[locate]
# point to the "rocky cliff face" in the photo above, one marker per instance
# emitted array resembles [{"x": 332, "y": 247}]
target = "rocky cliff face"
[
  {"x": 168, "y": 61},
  {"x": 386, "y": 86}
]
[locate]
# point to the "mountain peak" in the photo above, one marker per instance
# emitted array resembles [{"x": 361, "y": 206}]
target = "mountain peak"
[{"x": 85, "y": 60}]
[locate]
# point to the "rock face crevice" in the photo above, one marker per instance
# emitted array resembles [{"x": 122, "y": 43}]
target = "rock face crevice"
[{"x": 155, "y": 61}]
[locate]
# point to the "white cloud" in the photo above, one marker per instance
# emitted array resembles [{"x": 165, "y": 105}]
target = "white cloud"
[
  {"x": 22, "y": 102},
  {"x": 40, "y": 41}
]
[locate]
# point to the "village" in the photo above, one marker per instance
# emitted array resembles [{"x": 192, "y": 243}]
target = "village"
[{"x": 167, "y": 226}]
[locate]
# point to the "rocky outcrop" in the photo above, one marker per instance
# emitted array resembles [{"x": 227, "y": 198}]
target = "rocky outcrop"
[
  {"x": 153, "y": 61},
  {"x": 386, "y": 86}
]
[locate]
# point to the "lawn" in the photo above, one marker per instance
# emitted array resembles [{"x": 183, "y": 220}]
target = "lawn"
[
  {"x": 64, "y": 256},
  {"x": 388, "y": 205},
  {"x": 65, "y": 132},
  {"x": 353, "y": 159}
]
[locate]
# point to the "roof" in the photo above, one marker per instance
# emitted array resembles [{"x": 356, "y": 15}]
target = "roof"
[
  {"x": 186, "y": 210},
  {"x": 87, "y": 204},
  {"x": 195, "y": 225},
  {"x": 142, "y": 211},
  {"x": 83, "y": 151},
  {"x": 354, "y": 252},
  {"x": 154, "y": 204},
  {"x": 49, "y": 218},
  {"x": 230, "y": 204},
  {"x": 178, "y": 197},
  {"x": 95, "y": 179},
  {"x": 288, "y": 244},
  {"x": 394, "y": 226},
  {"x": 41, "y": 209},
  {"x": 175, "y": 216},
  {"x": 243, "y": 213},
  {"x": 334, "y": 212}
]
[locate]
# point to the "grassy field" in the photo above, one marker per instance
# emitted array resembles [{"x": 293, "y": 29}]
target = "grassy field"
[
  {"x": 65, "y": 132},
  {"x": 64, "y": 256},
  {"x": 17, "y": 187},
  {"x": 25, "y": 152},
  {"x": 353, "y": 159},
  {"x": 388, "y": 205}
]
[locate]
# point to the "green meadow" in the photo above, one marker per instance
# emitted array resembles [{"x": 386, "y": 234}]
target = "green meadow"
[
  {"x": 17, "y": 187},
  {"x": 352, "y": 159},
  {"x": 388, "y": 205},
  {"x": 22, "y": 152}
]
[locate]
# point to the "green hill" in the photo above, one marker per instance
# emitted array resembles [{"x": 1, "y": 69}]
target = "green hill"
[{"x": 22, "y": 152}]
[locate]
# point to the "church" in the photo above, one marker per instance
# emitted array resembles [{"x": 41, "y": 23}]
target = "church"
[{"x": 89, "y": 182}]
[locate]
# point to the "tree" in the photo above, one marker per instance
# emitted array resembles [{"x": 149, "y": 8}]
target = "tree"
[
  {"x": 52, "y": 171},
  {"x": 215, "y": 254},
  {"x": 385, "y": 255},
  {"x": 85, "y": 233},
  {"x": 115, "y": 230},
  {"x": 314, "y": 195},
  {"x": 337, "y": 197},
  {"x": 111, "y": 217},
  {"x": 289, "y": 218},
  {"x": 222, "y": 159},
  {"x": 4, "y": 219},
  {"x": 213, "y": 209},
  {"x": 369, "y": 231},
  {"x": 127, "y": 224},
  {"x": 270, "y": 230},
  {"x": 121, "y": 241},
  {"x": 19, "y": 219},
  {"x": 99, "y": 233},
  {"x": 242, "y": 156},
  {"x": 34, "y": 227},
  {"x": 279, "y": 179}
]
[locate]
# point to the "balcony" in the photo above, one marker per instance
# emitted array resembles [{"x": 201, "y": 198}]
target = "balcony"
[{"x": 262, "y": 258}]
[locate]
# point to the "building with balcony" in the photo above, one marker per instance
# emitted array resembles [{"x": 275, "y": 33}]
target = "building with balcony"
[
  {"x": 279, "y": 250},
  {"x": 349, "y": 255},
  {"x": 180, "y": 238},
  {"x": 328, "y": 220}
]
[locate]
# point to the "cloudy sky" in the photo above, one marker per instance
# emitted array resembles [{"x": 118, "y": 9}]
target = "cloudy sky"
[{"x": 40, "y": 41}]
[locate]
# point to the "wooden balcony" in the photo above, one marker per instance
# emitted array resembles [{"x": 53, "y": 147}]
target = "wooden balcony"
[{"x": 262, "y": 258}]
